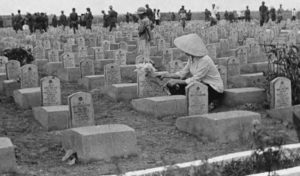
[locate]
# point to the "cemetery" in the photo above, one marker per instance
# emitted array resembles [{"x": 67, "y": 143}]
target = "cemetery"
[{"x": 91, "y": 103}]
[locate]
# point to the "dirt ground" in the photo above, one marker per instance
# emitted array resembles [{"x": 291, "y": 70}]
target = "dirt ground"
[{"x": 39, "y": 152}]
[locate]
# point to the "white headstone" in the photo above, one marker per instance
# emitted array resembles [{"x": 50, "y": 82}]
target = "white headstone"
[
  {"x": 29, "y": 76},
  {"x": 51, "y": 91},
  {"x": 281, "y": 93},
  {"x": 13, "y": 70},
  {"x": 197, "y": 98}
]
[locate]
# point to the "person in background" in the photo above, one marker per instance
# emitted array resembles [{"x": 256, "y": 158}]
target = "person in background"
[
  {"x": 127, "y": 16},
  {"x": 247, "y": 14},
  {"x": 213, "y": 17},
  {"x": 54, "y": 21},
  {"x": 226, "y": 15},
  {"x": 189, "y": 15},
  {"x": 279, "y": 14},
  {"x": 173, "y": 16},
  {"x": 113, "y": 18},
  {"x": 105, "y": 19},
  {"x": 294, "y": 14},
  {"x": 263, "y": 11},
  {"x": 89, "y": 18},
  {"x": 182, "y": 16},
  {"x": 199, "y": 68},
  {"x": 273, "y": 14},
  {"x": 149, "y": 13},
  {"x": 30, "y": 22},
  {"x": 207, "y": 15},
  {"x": 63, "y": 20},
  {"x": 19, "y": 21},
  {"x": 74, "y": 20},
  {"x": 144, "y": 31},
  {"x": 157, "y": 17}
]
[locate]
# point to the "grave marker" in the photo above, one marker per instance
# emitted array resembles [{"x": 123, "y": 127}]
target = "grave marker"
[
  {"x": 51, "y": 91},
  {"x": 197, "y": 98},
  {"x": 112, "y": 74},
  {"x": 68, "y": 60},
  {"x": 233, "y": 66},
  {"x": 120, "y": 57},
  {"x": 81, "y": 110},
  {"x": 281, "y": 93},
  {"x": 29, "y": 76},
  {"x": 13, "y": 70},
  {"x": 3, "y": 61},
  {"x": 53, "y": 56},
  {"x": 87, "y": 67}
]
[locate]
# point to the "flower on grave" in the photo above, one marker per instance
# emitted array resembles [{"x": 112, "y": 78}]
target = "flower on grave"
[{"x": 146, "y": 68}]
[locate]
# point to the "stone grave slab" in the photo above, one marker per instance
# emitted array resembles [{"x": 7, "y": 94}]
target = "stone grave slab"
[
  {"x": 51, "y": 91},
  {"x": 29, "y": 76}
]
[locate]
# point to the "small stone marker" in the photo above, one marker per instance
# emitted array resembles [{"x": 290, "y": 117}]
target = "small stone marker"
[
  {"x": 112, "y": 74},
  {"x": 47, "y": 44},
  {"x": 223, "y": 73},
  {"x": 242, "y": 54},
  {"x": 168, "y": 56},
  {"x": 13, "y": 70},
  {"x": 197, "y": 98},
  {"x": 99, "y": 53},
  {"x": 123, "y": 46},
  {"x": 39, "y": 52},
  {"x": 80, "y": 41},
  {"x": 233, "y": 66},
  {"x": 51, "y": 91},
  {"x": 120, "y": 57},
  {"x": 106, "y": 45},
  {"x": 161, "y": 45},
  {"x": 29, "y": 76},
  {"x": 53, "y": 56},
  {"x": 71, "y": 41},
  {"x": 3, "y": 61},
  {"x": 82, "y": 51},
  {"x": 281, "y": 93},
  {"x": 67, "y": 47},
  {"x": 149, "y": 86},
  {"x": 175, "y": 66},
  {"x": 87, "y": 67},
  {"x": 68, "y": 60},
  {"x": 81, "y": 110},
  {"x": 212, "y": 51}
]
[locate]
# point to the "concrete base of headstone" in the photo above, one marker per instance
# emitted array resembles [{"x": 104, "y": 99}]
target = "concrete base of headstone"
[
  {"x": 247, "y": 80},
  {"x": 131, "y": 48},
  {"x": 260, "y": 58},
  {"x": 114, "y": 46},
  {"x": 7, "y": 156},
  {"x": 161, "y": 106},
  {"x": 254, "y": 67},
  {"x": 69, "y": 74},
  {"x": 100, "y": 142},
  {"x": 9, "y": 86},
  {"x": 240, "y": 96},
  {"x": 92, "y": 82},
  {"x": 52, "y": 117},
  {"x": 99, "y": 65},
  {"x": 2, "y": 78},
  {"x": 123, "y": 92},
  {"x": 28, "y": 98},
  {"x": 128, "y": 75},
  {"x": 41, "y": 64},
  {"x": 53, "y": 68},
  {"x": 285, "y": 114},
  {"x": 222, "y": 126}
]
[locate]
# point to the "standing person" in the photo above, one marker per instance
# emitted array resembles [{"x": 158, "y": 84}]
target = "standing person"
[
  {"x": 199, "y": 68},
  {"x": 113, "y": 18},
  {"x": 182, "y": 16},
  {"x": 294, "y": 14},
  {"x": 279, "y": 14},
  {"x": 19, "y": 21},
  {"x": 173, "y": 16},
  {"x": 247, "y": 14},
  {"x": 144, "y": 31},
  {"x": 157, "y": 17},
  {"x": 273, "y": 14},
  {"x": 189, "y": 16},
  {"x": 226, "y": 15},
  {"x": 213, "y": 17},
  {"x": 105, "y": 19},
  {"x": 63, "y": 20},
  {"x": 54, "y": 21},
  {"x": 149, "y": 13},
  {"x": 30, "y": 22},
  {"x": 89, "y": 18},
  {"x": 127, "y": 16},
  {"x": 263, "y": 11},
  {"x": 74, "y": 20},
  {"x": 207, "y": 15}
]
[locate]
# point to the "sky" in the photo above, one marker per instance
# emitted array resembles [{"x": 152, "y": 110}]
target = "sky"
[{"x": 122, "y": 6}]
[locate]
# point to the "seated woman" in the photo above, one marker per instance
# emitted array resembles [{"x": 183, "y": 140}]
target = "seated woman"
[{"x": 200, "y": 67}]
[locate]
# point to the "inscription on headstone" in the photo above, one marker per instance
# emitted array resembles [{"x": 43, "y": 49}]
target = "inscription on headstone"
[{"x": 281, "y": 93}]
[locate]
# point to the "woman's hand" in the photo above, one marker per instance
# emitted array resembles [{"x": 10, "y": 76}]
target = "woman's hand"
[{"x": 173, "y": 82}]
